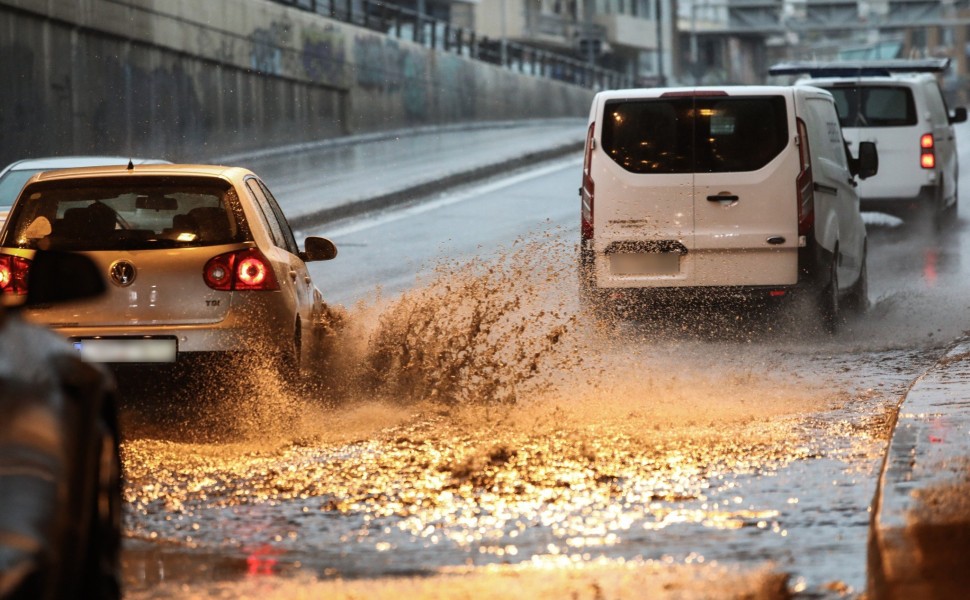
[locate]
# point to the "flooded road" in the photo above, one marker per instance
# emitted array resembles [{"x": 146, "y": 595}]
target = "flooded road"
[{"x": 485, "y": 437}]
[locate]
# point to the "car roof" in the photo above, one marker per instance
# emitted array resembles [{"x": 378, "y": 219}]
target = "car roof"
[
  {"x": 152, "y": 169},
  {"x": 67, "y": 162}
]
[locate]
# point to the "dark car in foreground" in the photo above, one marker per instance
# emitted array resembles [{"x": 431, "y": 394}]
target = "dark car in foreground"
[{"x": 60, "y": 474}]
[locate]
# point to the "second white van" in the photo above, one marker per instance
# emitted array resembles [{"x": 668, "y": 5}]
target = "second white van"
[{"x": 730, "y": 191}]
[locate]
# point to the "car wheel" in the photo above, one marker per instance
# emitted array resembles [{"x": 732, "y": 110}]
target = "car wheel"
[
  {"x": 289, "y": 369},
  {"x": 829, "y": 310}
]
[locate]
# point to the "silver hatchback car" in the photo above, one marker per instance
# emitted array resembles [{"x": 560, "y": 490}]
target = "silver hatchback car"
[{"x": 200, "y": 261}]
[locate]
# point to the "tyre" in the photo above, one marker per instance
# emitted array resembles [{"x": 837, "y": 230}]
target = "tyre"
[
  {"x": 858, "y": 299},
  {"x": 827, "y": 302},
  {"x": 592, "y": 300}
]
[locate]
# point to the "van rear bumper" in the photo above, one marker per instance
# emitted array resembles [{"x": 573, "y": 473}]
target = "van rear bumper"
[
  {"x": 928, "y": 199},
  {"x": 702, "y": 296}
]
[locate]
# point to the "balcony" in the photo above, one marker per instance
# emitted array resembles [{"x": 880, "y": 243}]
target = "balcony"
[{"x": 628, "y": 31}]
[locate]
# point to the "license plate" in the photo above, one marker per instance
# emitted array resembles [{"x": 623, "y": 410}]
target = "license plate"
[
  {"x": 645, "y": 263},
  {"x": 132, "y": 350}
]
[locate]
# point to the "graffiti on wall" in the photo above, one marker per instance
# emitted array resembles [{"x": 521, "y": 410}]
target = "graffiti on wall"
[
  {"x": 384, "y": 65},
  {"x": 267, "y": 48},
  {"x": 323, "y": 55},
  {"x": 456, "y": 87},
  {"x": 373, "y": 57}
]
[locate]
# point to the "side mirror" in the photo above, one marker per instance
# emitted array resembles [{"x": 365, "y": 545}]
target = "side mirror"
[
  {"x": 868, "y": 160},
  {"x": 318, "y": 248},
  {"x": 55, "y": 277},
  {"x": 958, "y": 115}
]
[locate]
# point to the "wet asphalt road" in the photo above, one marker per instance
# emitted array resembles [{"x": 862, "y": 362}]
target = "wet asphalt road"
[{"x": 719, "y": 452}]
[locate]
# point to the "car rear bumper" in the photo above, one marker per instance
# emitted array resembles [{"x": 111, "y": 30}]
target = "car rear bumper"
[{"x": 263, "y": 336}]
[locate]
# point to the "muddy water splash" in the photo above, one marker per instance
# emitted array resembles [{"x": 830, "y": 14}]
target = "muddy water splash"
[{"x": 479, "y": 332}]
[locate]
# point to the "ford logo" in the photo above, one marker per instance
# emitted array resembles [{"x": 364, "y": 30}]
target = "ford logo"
[{"x": 122, "y": 273}]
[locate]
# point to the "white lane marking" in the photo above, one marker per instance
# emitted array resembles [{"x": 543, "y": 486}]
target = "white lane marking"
[{"x": 397, "y": 215}]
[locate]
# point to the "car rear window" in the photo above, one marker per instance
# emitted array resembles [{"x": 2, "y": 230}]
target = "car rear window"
[
  {"x": 695, "y": 133},
  {"x": 874, "y": 106},
  {"x": 126, "y": 214}
]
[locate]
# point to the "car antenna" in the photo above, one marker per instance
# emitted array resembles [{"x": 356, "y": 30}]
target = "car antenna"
[{"x": 131, "y": 165}]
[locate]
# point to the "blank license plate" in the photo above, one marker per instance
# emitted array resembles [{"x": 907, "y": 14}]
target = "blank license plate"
[
  {"x": 647, "y": 263},
  {"x": 136, "y": 350}
]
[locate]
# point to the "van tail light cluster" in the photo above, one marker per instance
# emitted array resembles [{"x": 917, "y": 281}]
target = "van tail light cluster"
[
  {"x": 804, "y": 184},
  {"x": 13, "y": 274},
  {"x": 586, "y": 192},
  {"x": 927, "y": 151},
  {"x": 240, "y": 270}
]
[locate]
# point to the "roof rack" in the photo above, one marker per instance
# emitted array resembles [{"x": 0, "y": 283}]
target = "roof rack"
[{"x": 861, "y": 68}]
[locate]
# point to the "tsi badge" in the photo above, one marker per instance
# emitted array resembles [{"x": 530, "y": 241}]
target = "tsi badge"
[{"x": 122, "y": 273}]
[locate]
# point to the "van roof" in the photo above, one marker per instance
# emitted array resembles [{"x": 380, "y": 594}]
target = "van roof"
[
  {"x": 725, "y": 90},
  {"x": 861, "y": 68}
]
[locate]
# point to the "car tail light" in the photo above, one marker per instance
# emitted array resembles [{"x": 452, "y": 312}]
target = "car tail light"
[
  {"x": 804, "y": 184},
  {"x": 927, "y": 151},
  {"x": 586, "y": 192},
  {"x": 241, "y": 270},
  {"x": 13, "y": 274}
]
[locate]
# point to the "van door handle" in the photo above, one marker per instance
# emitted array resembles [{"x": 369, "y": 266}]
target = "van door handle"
[{"x": 722, "y": 198}]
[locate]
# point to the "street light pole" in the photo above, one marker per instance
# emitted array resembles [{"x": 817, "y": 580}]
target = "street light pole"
[{"x": 660, "y": 56}]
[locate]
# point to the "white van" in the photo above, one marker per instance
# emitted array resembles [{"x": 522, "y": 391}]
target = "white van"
[
  {"x": 898, "y": 105},
  {"x": 728, "y": 191}
]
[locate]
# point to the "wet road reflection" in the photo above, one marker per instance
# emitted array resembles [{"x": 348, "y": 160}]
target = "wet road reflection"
[{"x": 675, "y": 455}]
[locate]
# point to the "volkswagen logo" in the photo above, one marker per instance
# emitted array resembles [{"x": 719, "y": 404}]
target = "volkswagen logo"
[{"x": 122, "y": 273}]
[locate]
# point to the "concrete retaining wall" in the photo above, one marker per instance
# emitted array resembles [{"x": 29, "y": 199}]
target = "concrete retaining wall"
[{"x": 187, "y": 80}]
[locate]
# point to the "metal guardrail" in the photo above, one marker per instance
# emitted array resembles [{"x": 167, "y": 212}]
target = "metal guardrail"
[{"x": 433, "y": 33}]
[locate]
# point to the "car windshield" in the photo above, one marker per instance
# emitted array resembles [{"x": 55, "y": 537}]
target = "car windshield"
[
  {"x": 125, "y": 214},
  {"x": 874, "y": 106},
  {"x": 11, "y": 183},
  {"x": 702, "y": 134}
]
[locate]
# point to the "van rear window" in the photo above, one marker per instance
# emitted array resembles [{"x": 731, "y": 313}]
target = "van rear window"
[
  {"x": 874, "y": 106},
  {"x": 695, "y": 134}
]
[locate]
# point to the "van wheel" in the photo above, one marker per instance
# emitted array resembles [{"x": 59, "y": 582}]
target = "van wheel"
[
  {"x": 828, "y": 306},
  {"x": 592, "y": 301},
  {"x": 858, "y": 300}
]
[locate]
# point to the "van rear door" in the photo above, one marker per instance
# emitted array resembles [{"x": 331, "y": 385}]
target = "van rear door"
[
  {"x": 746, "y": 216},
  {"x": 644, "y": 208}
]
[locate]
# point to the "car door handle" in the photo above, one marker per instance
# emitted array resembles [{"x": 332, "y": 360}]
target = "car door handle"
[
  {"x": 306, "y": 279},
  {"x": 293, "y": 275},
  {"x": 722, "y": 198}
]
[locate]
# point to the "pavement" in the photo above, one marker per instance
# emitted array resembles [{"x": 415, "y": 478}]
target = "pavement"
[
  {"x": 919, "y": 537},
  {"x": 320, "y": 182}
]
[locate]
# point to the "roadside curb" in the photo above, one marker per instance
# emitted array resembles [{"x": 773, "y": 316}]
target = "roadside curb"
[
  {"x": 414, "y": 192},
  {"x": 919, "y": 535},
  {"x": 377, "y": 136}
]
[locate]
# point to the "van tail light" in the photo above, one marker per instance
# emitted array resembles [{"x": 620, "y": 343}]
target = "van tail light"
[
  {"x": 586, "y": 192},
  {"x": 927, "y": 151},
  {"x": 804, "y": 184},
  {"x": 240, "y": 270},
  {"x": 13, "y": 274}
]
